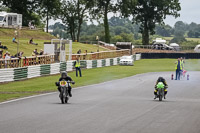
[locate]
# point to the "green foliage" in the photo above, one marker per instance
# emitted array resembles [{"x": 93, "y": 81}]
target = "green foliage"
[
  {"x": 73, "y": 14},
  {"x": 25, "y": 7},
  {"x": 100, "y": 9},
  {"x": 179, "y": 32},
  {"x": 189, "y": 43},
  {"x": 149, "y": 12},
  {"x": 163, "y": 30},
  {"x": 49, "y": 9}
]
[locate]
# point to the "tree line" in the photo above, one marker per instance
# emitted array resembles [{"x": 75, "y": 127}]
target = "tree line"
[
  {"x": 122, "y": 30},
  {"x": 73, "y": 13}
]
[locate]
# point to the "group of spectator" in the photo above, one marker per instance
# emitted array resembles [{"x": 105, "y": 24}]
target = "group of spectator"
[
  {"x": 3, "y": 47},
  {"x": 7, "y": 55},
  {"x": 35, "y": 52}
]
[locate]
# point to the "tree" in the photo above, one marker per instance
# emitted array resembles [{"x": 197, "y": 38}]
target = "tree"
[
  {"x": 24, "y": 7},
  {"x": 163, "y": 30},
  {"x": 148, "y": 13},
  {"x": 101, "y": 8},
  {"x": 48, "y": 9},
  {"x": 73, "y": 14}
]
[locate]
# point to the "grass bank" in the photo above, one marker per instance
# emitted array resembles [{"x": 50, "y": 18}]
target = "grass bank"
[
  {"x": 40, "y": 85},
  {"x": 6, "y": 36}
]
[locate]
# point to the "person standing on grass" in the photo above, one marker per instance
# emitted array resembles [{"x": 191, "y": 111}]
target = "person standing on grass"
[
  {"x": 77, "y": 65},
  {"x": 14, "y": 40},
  {"x": 178, "y": 69}
]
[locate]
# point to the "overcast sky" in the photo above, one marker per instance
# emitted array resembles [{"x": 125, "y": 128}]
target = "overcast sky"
[{"x": 190, "y": 12}]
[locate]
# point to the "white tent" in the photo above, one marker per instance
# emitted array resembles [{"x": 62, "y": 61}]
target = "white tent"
[
  {"x": 175, "y": 46},
  {"x": 197, "y": 48}
]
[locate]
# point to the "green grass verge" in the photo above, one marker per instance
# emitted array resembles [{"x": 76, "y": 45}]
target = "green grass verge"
[{"x": 90, "y": 76}]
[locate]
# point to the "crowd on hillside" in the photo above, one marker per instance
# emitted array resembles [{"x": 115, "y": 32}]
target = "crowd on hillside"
[{"x": 7, "y": 55}]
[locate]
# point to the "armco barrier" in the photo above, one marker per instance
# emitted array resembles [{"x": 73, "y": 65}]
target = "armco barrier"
[
  {"x": 15, "y": 74},
  {"x": 170, "y": 55}
]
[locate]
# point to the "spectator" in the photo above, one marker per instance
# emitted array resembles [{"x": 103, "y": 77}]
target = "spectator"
[
  {"x": 1, "y": 52},
  {"x": 84, "y": 56},
  {"x": 3, "y": 47},
  {"x": 19, "y": 55},
  {"x": 41, "y": 52},
  {"x": 14, "y": 40},
  {"x": 35, "y": 53},
  {"x": 178, "y": 69},
  {"x": 77, "y": 65},
  {"x": 31, "y": 42},
  {"x": 0, "y": 55},
  {"x": 5, "y": 54},
  {"x": 29, "y": 24},
  {"x": 7, "y": 57},
  {"x": 79, "y": 51}
]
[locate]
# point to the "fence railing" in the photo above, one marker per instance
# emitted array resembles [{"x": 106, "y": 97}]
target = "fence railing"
[
  {"x": 26, "y": 61},
  {"x": 181, "y": 48},
  {"x": 100, "y": 55}
]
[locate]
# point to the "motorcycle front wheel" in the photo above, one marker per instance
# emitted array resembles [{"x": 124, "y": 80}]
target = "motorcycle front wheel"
[{"x": 66, "y": 100}]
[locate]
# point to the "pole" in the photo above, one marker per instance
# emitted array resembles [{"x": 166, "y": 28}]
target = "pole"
[
  {"x": 97, "y": 38},
  {"x": 18, "y": 41}
]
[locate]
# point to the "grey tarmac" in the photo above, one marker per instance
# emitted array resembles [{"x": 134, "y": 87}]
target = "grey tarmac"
[{"x": 118, "y": 106}]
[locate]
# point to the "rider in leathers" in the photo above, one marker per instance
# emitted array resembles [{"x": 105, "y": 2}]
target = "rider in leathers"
[
  {"x": 66, "y": 78},
  {"x": 160, "y": 79}
]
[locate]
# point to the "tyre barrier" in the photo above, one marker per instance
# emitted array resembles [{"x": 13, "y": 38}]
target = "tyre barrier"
[{"x": 16, "y": 74}]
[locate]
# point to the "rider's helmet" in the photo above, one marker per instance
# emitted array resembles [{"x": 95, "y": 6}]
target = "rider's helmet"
[
  {"x": 161, "y": 79},
  {"x": 160, "y": 85},
  {"x": 63, "y": 74}
]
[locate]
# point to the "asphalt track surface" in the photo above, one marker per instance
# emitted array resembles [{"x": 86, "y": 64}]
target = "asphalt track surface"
[{"x": 119, "y": 106}]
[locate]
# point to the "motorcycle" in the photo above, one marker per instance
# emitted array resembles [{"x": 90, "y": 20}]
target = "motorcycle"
[
  {"x": 64, "y": 86},
  {"x": 160, "y": 93}
]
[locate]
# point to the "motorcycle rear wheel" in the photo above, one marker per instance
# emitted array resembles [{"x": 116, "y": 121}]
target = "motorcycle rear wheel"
[
  {"x": 66, "y": 100},
  {"x": 160, "y": 98}
]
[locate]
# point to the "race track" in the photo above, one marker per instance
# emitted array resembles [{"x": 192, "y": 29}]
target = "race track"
[{"x": 119, "y": 106}]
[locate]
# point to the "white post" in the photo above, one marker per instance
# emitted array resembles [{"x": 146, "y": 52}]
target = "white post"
[{"x": 70, "y": 50}]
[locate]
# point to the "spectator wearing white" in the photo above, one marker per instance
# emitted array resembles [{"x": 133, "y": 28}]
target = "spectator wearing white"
[{"x": 7, "y": 57}]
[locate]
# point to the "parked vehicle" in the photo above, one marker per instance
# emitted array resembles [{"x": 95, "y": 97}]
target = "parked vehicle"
[
  {"x": 160, "y": 44},
  {"x": 126, "y": 60},
  {"x": 10, "y": 20},
  {"x": 162, "y": 47}
]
